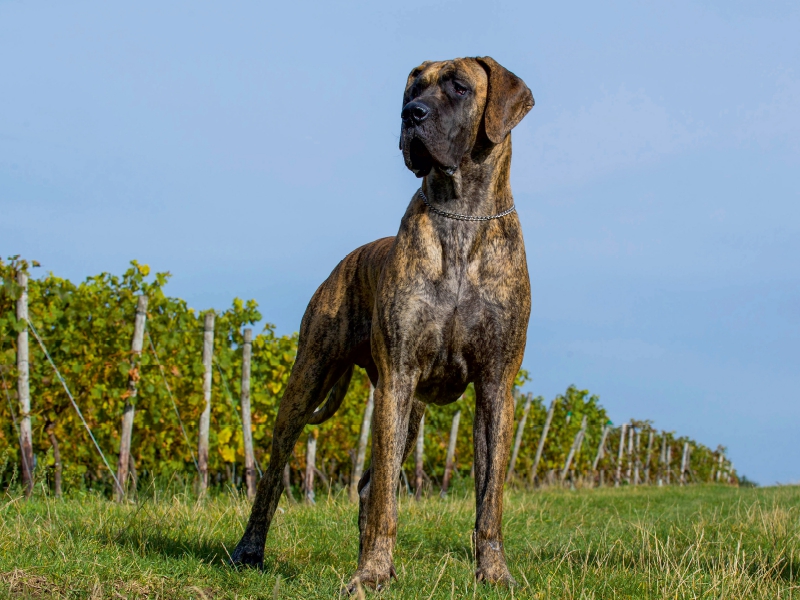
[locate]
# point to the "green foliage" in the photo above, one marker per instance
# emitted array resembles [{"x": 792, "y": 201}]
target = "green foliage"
[{"x": 87, "y": 328}]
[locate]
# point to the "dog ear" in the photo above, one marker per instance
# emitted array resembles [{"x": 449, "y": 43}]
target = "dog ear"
[{"x": 508, "y": 100}]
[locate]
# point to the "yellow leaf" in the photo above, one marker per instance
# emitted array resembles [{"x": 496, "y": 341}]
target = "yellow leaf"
[
  {"x": 228, "y": 454},
  {"x": 224, "y": 436}
]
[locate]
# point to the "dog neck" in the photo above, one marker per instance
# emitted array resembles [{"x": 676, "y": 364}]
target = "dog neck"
[{"x": 479, "y": 187}]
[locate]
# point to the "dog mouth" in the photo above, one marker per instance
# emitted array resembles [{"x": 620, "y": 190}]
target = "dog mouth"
[{"x": 417, "y": 157}]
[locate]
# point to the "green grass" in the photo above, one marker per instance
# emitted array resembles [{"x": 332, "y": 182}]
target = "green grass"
[{"x": 694, "y": 542}]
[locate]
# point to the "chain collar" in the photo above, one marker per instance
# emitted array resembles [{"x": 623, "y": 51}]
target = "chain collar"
[{"x": 460, "y": 217}]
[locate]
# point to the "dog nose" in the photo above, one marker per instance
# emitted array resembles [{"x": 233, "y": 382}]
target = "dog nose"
[{"x": 415, "y": 111}]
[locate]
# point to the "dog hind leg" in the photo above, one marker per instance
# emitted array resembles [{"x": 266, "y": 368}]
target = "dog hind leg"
[{"x": 308, "y": 384}]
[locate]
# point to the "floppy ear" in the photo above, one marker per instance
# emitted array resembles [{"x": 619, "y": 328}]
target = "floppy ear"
[{"x": 508, "y": 100}]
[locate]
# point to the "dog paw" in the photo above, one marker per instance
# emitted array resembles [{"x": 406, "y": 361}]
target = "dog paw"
[
  {"x": 243, "y": 556},
  {"x": 496, "y": 575},
  {"x": 368, "y": 578}
]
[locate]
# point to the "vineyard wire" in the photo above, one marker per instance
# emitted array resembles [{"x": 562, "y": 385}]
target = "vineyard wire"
[
  {"x": 174, "y": 406},
  {"x": 16, "y": 425},
  {"x": 75, "y": 405},
  {"x": 238, "y": 413}
]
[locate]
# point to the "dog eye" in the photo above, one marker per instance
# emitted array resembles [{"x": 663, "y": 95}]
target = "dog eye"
[{"x": 460, "y": 89}]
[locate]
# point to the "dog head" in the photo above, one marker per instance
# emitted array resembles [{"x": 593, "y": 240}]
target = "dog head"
[{"x": 449, "y": 106}]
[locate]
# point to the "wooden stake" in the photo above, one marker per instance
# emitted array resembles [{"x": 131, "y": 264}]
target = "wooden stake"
[
  {"x": 663, "y": 459},
  {"x": 403, "y": 485},
  {"x": 601, "y": 448},
  {"x": 669, "y": 462},
  {"x": 361, "y": 451},
  {"x": 518, "y": 438},
  {"x": 637, "y": 463},
  {"x": 130, "y": 400},
  {"x": 576, "y": 444},
  {"x": 601, "y": 452},
  {"x": 205, "y": 417},
  {"x": 23, "y": 387},
  {"x": 620, "y": 454},
  {"x": 683, "y": 463},
  {"x": 647, "y": 457},
  {"x": 451, "y": 452},
  {"x": 287, "y": 483},
  {"x": 247, "y": 431},
  {"x": 629, "y": 470},
  {"x": 419, "y": 459},
  {"x": 542, "y": 439},
  {"x": 311, "y": 459}
]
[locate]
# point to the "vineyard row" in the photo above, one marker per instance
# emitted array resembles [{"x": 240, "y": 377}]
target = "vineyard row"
[{"x": 122, "y": 381}]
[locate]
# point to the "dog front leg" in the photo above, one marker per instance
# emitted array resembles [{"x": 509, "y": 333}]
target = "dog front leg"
[
  {"x": 494, "y": 420},
  {"x": 417, "y": 410},
  {"x": 378, "y": 521}
]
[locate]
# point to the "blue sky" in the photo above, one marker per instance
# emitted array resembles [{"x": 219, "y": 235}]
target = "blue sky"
[{"x": 247, "y": 147}]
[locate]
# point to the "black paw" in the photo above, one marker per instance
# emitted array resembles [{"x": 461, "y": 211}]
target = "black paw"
[{"x": 247, "y": 557}]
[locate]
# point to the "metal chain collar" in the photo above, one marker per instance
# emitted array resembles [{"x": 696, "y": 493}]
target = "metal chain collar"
[{"x": 460, "y": 217}]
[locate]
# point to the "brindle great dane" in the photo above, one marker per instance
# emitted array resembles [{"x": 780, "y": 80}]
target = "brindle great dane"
[{"x": 443, "y": 303}]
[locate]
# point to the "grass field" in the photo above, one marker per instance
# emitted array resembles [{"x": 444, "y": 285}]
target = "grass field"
[{"x": 694, "y": 542}]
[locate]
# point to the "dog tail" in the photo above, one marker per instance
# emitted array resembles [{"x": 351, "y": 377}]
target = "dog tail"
[{"x": 335, "y": 398}]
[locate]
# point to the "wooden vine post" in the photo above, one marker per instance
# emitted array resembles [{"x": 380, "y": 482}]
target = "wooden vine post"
[
  {"x": 542, "y": 438},
  {"x": 684, "y": 456},
  {"x": 662, "y": 459},
  {"x": 647, "y": 457},
  {"x": 205, "y": 416},
  {"x": 689, "y": 472},
  {"x": 576, "y": 444},
  {"x": 601, "y": 451},
  {"x": 451, "y": 452},
  {"x": 311, "y": 460},
  {"x": 518, "y": 438},
  {"x": 419, "y": 460},
  {"x": 361, "y": 450},
  {"x": 23, "y": 387},
  {"x": 287, "y": 483},
  {"x": 668, "y": 465},
  {"x": 247, "y": 430},
  {"x": 601, "y": 448},
  {"x": 620, "y": 454},
  {"x": 128, "y": 412},
  {"x": 629, "y": 470},
  {"x": 637, "y": 463}
]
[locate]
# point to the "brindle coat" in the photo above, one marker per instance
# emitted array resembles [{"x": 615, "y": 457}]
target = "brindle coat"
[{"x": 443, "y": 303}]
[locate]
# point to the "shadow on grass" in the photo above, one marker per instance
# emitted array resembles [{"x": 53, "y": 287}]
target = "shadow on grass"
[{"x": 211, "y": 552}]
